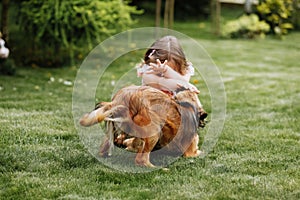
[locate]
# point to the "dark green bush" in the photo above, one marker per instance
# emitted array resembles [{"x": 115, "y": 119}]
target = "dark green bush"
[
  {"x": 7, "y": 66},
  {"x": 58, "y": 29}
]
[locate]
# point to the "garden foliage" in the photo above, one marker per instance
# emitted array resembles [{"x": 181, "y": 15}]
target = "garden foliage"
[
  {"x": 247, "y": 26},
  {"x": 277, "y": 13},
  {"x": 57, "y": 27},
  {"x": 7, "y": 67}
]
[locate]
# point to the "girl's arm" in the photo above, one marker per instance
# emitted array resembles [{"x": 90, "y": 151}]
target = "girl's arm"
[
  {"x": 164, "y": 83},
  {"x": 172, "y": 74},
  {"x": 162, "y": 76}
]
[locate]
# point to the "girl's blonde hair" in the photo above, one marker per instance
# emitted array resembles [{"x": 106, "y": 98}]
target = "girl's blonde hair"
[{"x": 167, "y": 48}]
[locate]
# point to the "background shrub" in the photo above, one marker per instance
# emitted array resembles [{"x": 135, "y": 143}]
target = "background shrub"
[
  {"x": 247, "y": 26},
  {"x": 277, "y": 13},
  {"x": 57, "y": 30},
  {"x": 7, "y": 66}
]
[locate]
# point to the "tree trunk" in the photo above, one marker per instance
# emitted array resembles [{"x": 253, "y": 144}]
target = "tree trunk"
[
  {"x": 169, "y": 13},
  {"x": 215, "y": 7},
  {"x": 166, "y": 14},
  {"x": 248, "y": 7},
  {"x": 4, "y": 19},
  {"x": 157, "y": 17}
]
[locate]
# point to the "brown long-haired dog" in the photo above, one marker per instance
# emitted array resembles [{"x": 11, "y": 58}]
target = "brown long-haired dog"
[{"x": 151, "y": 119}]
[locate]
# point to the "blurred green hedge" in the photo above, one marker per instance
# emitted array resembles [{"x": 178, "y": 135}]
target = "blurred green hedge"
[{"x": 57, "y": 32}]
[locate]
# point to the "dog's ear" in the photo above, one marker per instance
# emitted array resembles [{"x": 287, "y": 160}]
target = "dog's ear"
[
  {"x": 180, "y": 89},
  {"x": 100, "y": 104},
  {"x": 201, "y": 117}
]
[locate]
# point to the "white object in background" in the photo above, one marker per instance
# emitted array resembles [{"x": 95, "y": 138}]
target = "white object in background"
[{"x": 4, "y": 52}]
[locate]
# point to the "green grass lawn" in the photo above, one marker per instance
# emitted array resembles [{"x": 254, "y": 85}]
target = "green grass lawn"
[{"x": 257, "y": 155}]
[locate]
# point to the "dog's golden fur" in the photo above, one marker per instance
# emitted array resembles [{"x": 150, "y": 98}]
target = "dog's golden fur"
[{"x": 151, "y": 119}]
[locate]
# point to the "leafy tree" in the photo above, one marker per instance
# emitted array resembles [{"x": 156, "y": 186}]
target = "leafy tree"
[{"x": 62, "y": 25}]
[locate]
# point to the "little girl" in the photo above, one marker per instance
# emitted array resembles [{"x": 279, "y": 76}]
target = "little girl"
[{"x": 165, "y": 66}]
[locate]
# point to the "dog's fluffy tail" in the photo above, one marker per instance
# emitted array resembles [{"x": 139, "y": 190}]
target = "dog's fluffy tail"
[{"x": 96, "y": 116}]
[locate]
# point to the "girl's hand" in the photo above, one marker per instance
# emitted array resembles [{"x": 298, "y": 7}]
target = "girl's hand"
[{"x": 158, "y": 68}]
